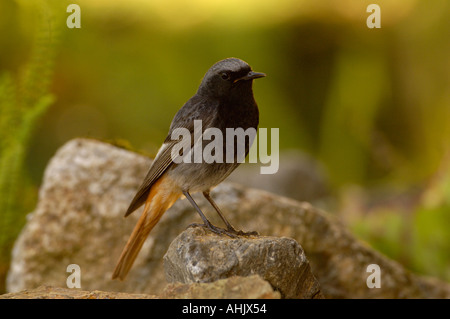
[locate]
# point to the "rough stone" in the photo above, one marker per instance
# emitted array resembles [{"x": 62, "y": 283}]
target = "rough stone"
[
  {"x": 299, "y": 177},
  {"x": 198, "y": 255},
  {"x": 88, "y": 185},
  {"x": 79, "y": 219},
  {"x": 235, "y": 287}
]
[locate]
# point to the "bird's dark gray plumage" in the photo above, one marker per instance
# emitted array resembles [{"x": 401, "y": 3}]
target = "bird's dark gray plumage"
[
  {"x": 219, "y": 102},
  {"x": 223, "y": 100}
]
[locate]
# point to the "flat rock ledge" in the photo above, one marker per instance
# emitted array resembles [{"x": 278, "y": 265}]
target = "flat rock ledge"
[
  {"x": 235, "y": 287},
  {"x": 49, "y": 292},
  {"x": 199, "y": 256}
]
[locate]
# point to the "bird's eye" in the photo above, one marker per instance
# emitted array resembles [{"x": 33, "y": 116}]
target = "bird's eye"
[{"x": 225, "y": 75}]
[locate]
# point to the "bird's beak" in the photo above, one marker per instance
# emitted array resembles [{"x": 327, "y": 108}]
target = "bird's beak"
[{"x": 250, "y": 76}]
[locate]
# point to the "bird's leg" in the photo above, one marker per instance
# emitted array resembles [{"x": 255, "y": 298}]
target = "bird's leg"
[
  {"x": 230, "y": 228},
  {"x": 227, "y": 223},
  {"x": 206, "y": 222}
]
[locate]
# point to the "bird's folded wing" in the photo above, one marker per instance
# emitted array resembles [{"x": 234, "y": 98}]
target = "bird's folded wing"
[
  {"x": 163, "y": 160},
  {"x": 183, "y": 119}
]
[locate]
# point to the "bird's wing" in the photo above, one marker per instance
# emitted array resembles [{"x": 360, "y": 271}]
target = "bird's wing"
[
  {"x": 160, "y": 164},
  {"x": 184, "y": 118}
]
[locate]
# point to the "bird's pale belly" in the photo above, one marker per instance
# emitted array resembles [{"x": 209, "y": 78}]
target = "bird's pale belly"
[{"x": 195, "y": 177}]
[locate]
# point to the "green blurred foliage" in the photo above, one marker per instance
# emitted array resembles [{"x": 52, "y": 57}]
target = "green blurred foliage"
[
  {"x": 418, "y": 237},
  {"x": 373, "y": 105},
  {"x": 430, "y": 246},
  {"x": 24, "y": 97}
]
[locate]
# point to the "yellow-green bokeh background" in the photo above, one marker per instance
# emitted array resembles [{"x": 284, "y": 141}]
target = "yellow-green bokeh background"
[{"x": 373, "y": 105}]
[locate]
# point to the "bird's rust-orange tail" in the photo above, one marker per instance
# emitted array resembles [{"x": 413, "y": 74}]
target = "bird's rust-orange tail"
[{"x": 161, "y": 197}]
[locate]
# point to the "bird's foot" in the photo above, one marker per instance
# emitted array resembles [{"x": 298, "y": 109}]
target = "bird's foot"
[
  {"x": 242, "y": 233},
  {"x": 231, "y": 232}
]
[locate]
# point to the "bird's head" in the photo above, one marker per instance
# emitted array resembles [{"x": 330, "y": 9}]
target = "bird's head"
[{"x": 227, "y": 77}]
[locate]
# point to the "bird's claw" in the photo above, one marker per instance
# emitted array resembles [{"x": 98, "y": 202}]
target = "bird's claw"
[{"x": 231, "y": 232}]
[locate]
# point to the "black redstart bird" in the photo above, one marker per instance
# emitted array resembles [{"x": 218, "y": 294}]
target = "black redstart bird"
[{"x": 223, "y": 100}]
